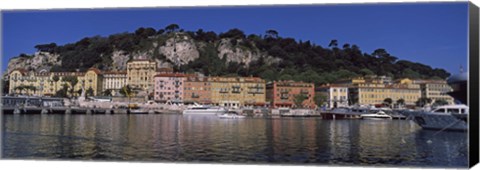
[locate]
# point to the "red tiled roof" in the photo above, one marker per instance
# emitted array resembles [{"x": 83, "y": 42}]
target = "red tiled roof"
[
  {"x": 115, "y": 72},
  {"x": 96, "y": 70},
  {"x": 21, "y": 70},
  {"x": 164, "y": 69},
  {"x": 170, "y": 75}
]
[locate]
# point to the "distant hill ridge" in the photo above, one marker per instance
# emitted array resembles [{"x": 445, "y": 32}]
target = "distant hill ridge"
[{"x": 269, "y": 56}]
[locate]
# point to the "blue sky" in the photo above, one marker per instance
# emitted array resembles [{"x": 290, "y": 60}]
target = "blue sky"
[{"x": 430, "y": 33}]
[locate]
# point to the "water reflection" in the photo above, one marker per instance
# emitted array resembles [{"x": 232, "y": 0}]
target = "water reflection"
[{"x": 209, "y": 139}]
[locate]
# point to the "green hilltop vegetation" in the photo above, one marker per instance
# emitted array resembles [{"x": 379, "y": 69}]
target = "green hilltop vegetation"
[{"x": 300, "y": 60}]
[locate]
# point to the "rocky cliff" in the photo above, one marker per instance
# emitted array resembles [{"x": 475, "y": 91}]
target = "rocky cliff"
[
  {"x": 36, "y": 62},
  {"x": 175, "y": 51}
]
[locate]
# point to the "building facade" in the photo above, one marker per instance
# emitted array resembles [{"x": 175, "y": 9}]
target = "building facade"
[
  {"x": 114, "y": 81},
  {"x": 237, "y": 91},
  {"x": 93, "y": 81},
  {"x": 140, "y": 75},
  {"x": 435, "y": 90},
  {"x": 285, "y": 93},
  {"x": 336, "y": 95},
  {"x": 169, "y": 87},
  {"x": 375, "y": 92},
  {"x": 197, "y": 89},
  {"x": 44, "y": 83}
]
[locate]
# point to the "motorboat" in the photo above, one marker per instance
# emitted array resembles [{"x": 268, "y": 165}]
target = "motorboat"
[
  {"x": 230, "y": 115},
  {"x": 380, "y": 115},
  {"x": 135, "y": 109},
  {"x": 204, "y": 110},
  {"x": 447, "y": 117},
  {"x": 298, "y": 113}
]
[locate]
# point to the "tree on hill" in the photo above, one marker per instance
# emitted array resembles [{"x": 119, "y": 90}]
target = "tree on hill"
[
  {"x": 233, "y": 34},
  {"x": 271, "y": 34},
  {"x": 172, "y": 28},
  {"x": 329, "y": 63},
  {"x": 46, "y": 47}
]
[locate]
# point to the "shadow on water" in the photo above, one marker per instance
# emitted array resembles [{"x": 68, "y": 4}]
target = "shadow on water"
[{"x": 177, "y": 138}]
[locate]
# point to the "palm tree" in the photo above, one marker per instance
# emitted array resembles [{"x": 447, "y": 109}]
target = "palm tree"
[
  {"x": 388, "y": 101},
  {"x": 400, "y": 102},
  {"x": 72, "y": 80},
  {"x": 20, "y": 88}
]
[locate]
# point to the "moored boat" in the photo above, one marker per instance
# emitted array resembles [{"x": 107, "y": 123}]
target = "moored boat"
[
  {"x": 443, "y": 118},
  {"x": 230, "y": 115},
  {"x": 380, "y": 115},
  {"x": 135, "y": 109},
  {"x": 204, "y": 110}
]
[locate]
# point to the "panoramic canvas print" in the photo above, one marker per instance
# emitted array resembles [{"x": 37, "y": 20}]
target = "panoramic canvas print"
[{"x": 353, "y": 84}]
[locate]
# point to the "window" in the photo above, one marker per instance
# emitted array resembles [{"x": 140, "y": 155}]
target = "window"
[{"x": 453, "y": 111}]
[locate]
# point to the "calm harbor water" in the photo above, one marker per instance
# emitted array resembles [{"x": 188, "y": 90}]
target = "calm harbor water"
[{"x": 177, "y": 138}]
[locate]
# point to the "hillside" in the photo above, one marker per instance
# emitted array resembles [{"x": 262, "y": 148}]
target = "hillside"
[{"x": 270, "y": 56}]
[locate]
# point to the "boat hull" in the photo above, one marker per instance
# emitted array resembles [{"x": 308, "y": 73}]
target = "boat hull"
[
  {"x": 440, "y": 122},
  {"x": 231, "y": 117},
  {"x": 204, "y": 112},
  {"x": 339, "y": 116},
  {"x": 376, "y": 118}
]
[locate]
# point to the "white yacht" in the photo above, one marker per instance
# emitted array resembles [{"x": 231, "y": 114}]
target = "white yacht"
[
  {"x": 380, "y": 115},
  {"x": 230, "y": 115},
  {"x": 443, "y": 118},
  {"x": 204, "y": 109}
]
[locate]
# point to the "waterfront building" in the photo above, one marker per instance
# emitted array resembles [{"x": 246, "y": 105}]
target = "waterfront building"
[
  {"x": 435, "y": 90},
  {"x": 93, "y": 80},
  {"x": 114, "y": 81},
  {"x": 140, "y": 73},
  {"x": 43, "y": 83},
  {"x": 284, "y": 93},
  {"x": 374, "y": 92},
  {"x": 197, "y": 89},
  {"x": 169, "y": 87},
  {"x": 237, "y": 91},
  {"x": 336, "y": 95}
]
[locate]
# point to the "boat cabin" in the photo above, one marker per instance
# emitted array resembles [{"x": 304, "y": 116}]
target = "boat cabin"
[{"x": 458, "y": 109}]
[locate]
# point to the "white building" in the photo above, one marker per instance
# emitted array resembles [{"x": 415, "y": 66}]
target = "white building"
[{"x": 114, "y": 81}]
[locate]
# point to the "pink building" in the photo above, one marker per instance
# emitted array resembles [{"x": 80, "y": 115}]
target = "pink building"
[{"x": 169, "y": 87}]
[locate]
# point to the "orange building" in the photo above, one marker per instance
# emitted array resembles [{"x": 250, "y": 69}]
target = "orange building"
[
  {"x": 283, "y": 93},
  {"x": 197, "y": 89}
]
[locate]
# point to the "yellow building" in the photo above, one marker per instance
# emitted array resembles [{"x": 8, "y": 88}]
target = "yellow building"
[
  {"x": 140, "y": 74},
  {"x": 374, "y": 91},
  {"x": 435, "y": 90},
  {"x": 237, "y": 91},
  {"x": 92, "y": 80},
  {"x": 44, "y": 84}
]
